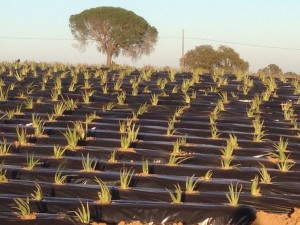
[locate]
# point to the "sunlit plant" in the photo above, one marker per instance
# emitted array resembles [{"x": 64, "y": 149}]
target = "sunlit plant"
[{"x": 234, "y": 194}]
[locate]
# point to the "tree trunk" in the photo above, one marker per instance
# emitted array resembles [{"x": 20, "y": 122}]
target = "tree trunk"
[{"x": 108, "y": 57}]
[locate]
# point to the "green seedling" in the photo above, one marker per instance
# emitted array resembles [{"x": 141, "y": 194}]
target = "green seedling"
[
  {"x": 88, "y": 164},
  {"x": 4, "y": 147},
  {"x": 72, "y": 138},
  {"x": 207, "y": 176},
  {"x": 154, "y": 99},
  {"x": 264, "y": 175},
  {"x": 285, "y": 165},
  {"x": 125, "y": 177},
  {"x": 31, "y": 162},
  {"x": 104, "y": 194},
  {"x": 3, "y": 178},
  {"x": 234, "y": 194},
  {"x": 145, "y": 167},
  {"x": 83, "y": 214},
  {"x": 58, "y": 151},
  {"x": 190, "y": 184},
  {"x": 255, "y": 190},
  {"x": 24, "y": 209},
  {"x": 60, "y": 179},
  {"x": 177, "y": 197},
  {"x": 38, "y": 193},
  {"x": 175, "y": 160},
  {"x": 21, "y": 135}
]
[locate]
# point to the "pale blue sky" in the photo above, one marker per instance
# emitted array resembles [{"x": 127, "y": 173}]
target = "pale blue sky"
[{"x": 274, "y": 23}]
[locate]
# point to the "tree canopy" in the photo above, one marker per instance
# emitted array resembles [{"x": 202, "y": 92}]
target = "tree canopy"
[
  {"x": 204, "y": 56},
  {"x": 271, "y": 69},
  {"x": 115, "y": 30}
]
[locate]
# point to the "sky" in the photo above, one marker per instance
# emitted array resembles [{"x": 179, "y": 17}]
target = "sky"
[{"x": 263, "y": 32}]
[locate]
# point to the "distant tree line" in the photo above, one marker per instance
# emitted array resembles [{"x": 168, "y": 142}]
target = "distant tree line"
[
  {"x": 206, "y": 57},
  {"x": 273, "y": 69}
]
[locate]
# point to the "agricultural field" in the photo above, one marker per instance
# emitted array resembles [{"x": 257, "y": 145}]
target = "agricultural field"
[{"x": 82, "y": 145}]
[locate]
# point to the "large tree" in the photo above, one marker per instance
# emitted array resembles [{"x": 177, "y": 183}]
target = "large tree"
[
  {"x": 271, "y": 69},
  {"x": 204, "y": 56},
  {"x": 230, "y": 60},
  {"x": 115, "y": 30}
]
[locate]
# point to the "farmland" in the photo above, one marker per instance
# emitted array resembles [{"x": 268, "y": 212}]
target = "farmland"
[{"x": 145, "y": 145}]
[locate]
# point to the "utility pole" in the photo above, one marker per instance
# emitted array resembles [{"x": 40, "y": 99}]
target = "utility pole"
[{"x": 182, "y": 51}]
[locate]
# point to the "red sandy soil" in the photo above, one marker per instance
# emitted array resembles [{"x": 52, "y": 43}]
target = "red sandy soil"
[{"x": 262, "y": 218}]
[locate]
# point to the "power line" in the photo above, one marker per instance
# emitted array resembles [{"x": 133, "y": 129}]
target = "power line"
[
  {"x": 166, "y": 37},
  {"x": 235, "y": 43}
]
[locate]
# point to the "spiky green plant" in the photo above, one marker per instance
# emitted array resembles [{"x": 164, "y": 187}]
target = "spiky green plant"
[
  {"x": 133, "y": 132},
  {"x": 207, "y": 176},
  {"x": 59, "y": 109},
  {"x": 234, "y": 194},
  {"x": 31, "y": 162},
  {"x": 112, "y": 158},
  {"x": 3, "y": 177},
  {"x": 143, "y": 109},
  {"x": 108, "y": 106},
  {"x": 118, "y": 84},
  {"x": 29, "y": 103},
  {"x": 226, "y": 163},
  {"x": 264, "y": 175},
  {"x": 38, "y": 125},
  {"x": 72, "y": 138},
  {"x": 21, "y": 135},
  {"x": 282, "y": 144},
  {"x": 172, "y": 75},
  {"x": 180, "y": 110},
  {"x": 175, "y": 160},
  {"x": 38, "y": 193},
  {"x": 4, "y": 147},
  {"x": 125, "y": 141},
  {"x": 83, "y": 214},
  {"x": 54, "y": 95},
  {"x": 177, "y": 197},
  {"x": 154, "y": 99},
  {"x": 81, "y": 129},
  {"x": 214, "y": 131},
  {"x": 175, "y": 89},
  {"x": 104, "y": 194},
  {"x": 145, "y": 167},
  {"x": 170, "y": 129},
  {"x": 227, "y": 152},
  {"x": 125, "y": 177},
  {"x": 121, "y": 98},
  {"x": 86, "y": 96},
  {"x": 58, "y": 177},
  {"x": 285, "y": 165},
  {"x": 88, "y": 164},
  {"x": 3, "y": 94},
  {"x": 224, "y": 97},
  {"x": 176, "y": 148},
  {"x": 255, "y": 189},
  {"x": 10, "y": 114},
  {"x": 161, "y": 83},
  {"x": 232, "y": 141},
  {"x": 190, "y": 184},
  {"x": 58, "y": 151},
  {"x": 23, "y": 207},
  {"x": 187, "y": 98},
  {"x": 70, "y": 104},
  {"x": 185, "y": 85}
]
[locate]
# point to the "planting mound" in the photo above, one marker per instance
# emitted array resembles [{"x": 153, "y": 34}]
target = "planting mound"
[{"x": 90, "y": 145}]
